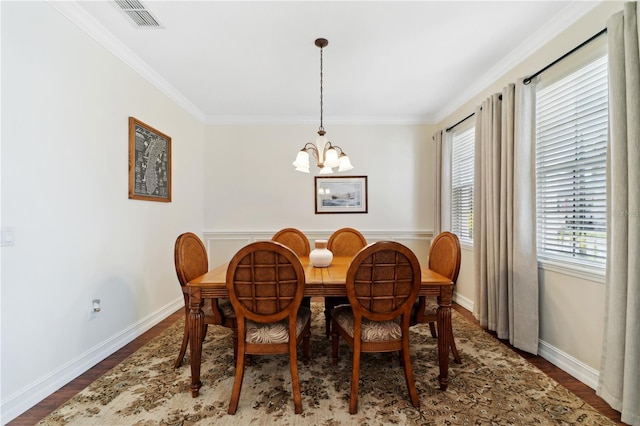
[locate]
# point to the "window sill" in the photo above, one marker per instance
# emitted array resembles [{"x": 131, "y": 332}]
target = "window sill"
[{"x": 584, "y": 272}]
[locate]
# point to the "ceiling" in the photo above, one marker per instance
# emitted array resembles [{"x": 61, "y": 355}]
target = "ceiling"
[{"x": 386, "y": 62}]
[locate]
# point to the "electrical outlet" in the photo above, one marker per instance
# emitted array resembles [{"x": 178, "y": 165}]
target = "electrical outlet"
[
  {"x": 94, "y": 309},
  {"x": 7, "y": 236}
]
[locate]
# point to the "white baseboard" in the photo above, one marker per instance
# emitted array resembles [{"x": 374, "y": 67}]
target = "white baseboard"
[
  {"x": 567, "y": 363},
  {"x": 35, "y": 392},
  {"x": 463, "y": 301},
  {"x": 576, "y": 368}
]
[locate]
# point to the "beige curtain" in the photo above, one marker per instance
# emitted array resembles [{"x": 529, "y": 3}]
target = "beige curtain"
[
  {"x": 619, "y": 379},
  {"x": 506, "y": 299},
  {"x": 442, "y": 202}
]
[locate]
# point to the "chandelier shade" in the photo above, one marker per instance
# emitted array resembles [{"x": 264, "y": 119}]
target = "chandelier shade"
[{"x": 325, "y": 153}]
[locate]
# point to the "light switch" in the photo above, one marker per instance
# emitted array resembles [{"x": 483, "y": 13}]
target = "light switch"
[{"x": 7, "y": 236}]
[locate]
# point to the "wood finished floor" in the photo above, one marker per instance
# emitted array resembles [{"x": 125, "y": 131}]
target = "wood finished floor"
[{"x": 55, "y": 400}]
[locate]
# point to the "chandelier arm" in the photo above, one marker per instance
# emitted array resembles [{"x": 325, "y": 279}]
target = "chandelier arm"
[
  {"x": 308, "y": 146},
  {"x": 314, "y": 150},
  {"x": 331, "y": 146}
]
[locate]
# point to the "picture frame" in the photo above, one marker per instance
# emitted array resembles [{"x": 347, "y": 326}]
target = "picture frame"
[
  {"x": 149, "y": 163},
  {"x": 341, "y": 194}
]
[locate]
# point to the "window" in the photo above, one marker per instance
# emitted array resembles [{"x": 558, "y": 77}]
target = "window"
[
  {"x": 462, "y": 185},
  {"x": 571, "y": 148}
]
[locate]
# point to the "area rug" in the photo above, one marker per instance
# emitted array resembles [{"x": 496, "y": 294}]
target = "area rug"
[{"x": 493, "y": 386}]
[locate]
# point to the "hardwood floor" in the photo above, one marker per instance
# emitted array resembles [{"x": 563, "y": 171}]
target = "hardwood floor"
[
  {"x": 565, "y": 379},
  {"x": 49, "y": 404}
]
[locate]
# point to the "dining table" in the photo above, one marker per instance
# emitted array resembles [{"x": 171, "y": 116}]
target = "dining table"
[{"x": 319, "y": 282}]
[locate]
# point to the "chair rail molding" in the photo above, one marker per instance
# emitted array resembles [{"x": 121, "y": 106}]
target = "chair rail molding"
[{"x": 222, "y": 245}]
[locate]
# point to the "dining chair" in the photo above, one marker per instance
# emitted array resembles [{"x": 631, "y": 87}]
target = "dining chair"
[
  {"x": 265, "y": 280},
  {"x": 294, "y": 239},
  {"x": 444, "y": 258},
  {"x": 343, "y": 242},
  {"x": 382, "y": 283},
  {"x": 190, "y": 258},
  {"x": 299, "y": 243}
]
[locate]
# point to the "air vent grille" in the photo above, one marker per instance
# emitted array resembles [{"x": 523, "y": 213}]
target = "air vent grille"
[{"x": 138, "y": 14}]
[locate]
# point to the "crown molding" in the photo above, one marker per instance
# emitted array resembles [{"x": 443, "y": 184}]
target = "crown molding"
[
  {"x": 346, "y": 120},
  {"x": 569, "y": 15},
  {"x": 78, "y": 16}
]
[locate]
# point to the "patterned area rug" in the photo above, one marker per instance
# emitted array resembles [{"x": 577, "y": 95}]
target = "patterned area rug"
[{"x": 493, "y": 386}]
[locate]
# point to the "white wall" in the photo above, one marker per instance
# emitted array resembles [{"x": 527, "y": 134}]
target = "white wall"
[
  {"x": 571, "y": 307},
  {"x": 65, "y": 108},
  {"x": 251, "y": 185}
]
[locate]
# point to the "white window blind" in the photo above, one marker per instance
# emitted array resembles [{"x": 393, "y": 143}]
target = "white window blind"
[
  {"x": 462, "y": 185},
  {"x": 571, "y": 148}
]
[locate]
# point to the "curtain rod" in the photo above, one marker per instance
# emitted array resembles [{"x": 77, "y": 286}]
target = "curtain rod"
[
  {"x": 461, "y": 121},
  {"x": 581, "y": 45}
]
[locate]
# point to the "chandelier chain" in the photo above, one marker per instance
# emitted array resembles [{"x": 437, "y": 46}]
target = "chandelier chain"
[{"x": 321, "y": 89}]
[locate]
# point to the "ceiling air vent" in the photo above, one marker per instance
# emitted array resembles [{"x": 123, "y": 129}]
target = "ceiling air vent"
[{"x": 136, "y": 11}]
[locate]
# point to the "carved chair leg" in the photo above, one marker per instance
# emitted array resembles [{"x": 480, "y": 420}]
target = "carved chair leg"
[
  {"x": 234, "y": 339},
  {"x": 432, "y": 328},
  {"x": 295, "y": 380},
  {"x": 183, "y": 347},
  {"x": 305, "y": 345},
  {"x": 408, "y": 377},
  {"x": 237, "y": 385},
  {"x": 454, "y": 349},
  {"x": 327, "y": 316},
  {"x": 205, "y": 328},
  {"x": 335, "y": 337},
  {"x": 355, "y": 377}
]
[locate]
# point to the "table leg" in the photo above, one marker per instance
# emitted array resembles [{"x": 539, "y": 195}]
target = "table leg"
[
  {"x": 196, "y": 328},
  {"x": 444, "y": 324}
]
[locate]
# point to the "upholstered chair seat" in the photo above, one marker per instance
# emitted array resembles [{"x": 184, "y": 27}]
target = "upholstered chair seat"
[
  {"x": 372, "y": 331},
  {"x": 276, "y": 332}
]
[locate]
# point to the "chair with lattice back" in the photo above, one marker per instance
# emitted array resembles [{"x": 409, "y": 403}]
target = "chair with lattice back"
[
  {"x": 382, "y": 283},
  {"x": 294, "y": 239},
  {"x": 266, "y": 281},
  {"x": 444, "y": 258},
  {"x": 191, "y": 261},
  {"x": 299, "y": 243}
]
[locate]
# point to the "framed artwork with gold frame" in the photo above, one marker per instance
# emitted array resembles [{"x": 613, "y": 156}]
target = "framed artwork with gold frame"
[{"x": 149, "y": 163}]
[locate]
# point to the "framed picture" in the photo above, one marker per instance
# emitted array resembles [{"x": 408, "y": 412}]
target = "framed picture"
[
  {"x": 341, "y": 194},
  {"x": 149, "y": 163}
]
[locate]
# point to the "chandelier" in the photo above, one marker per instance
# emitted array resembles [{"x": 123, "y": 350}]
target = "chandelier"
[{"x": 326, "y": 154}]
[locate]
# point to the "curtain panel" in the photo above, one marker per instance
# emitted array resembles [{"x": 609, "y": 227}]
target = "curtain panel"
[
  {"x": 506, "y": 269},
  {"x": 442, "y": 202},
  {"x": 619, "y": 378}
]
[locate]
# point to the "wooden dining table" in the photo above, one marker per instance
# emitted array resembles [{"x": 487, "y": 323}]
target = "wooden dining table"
[{"x": 319, "y": 282}]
